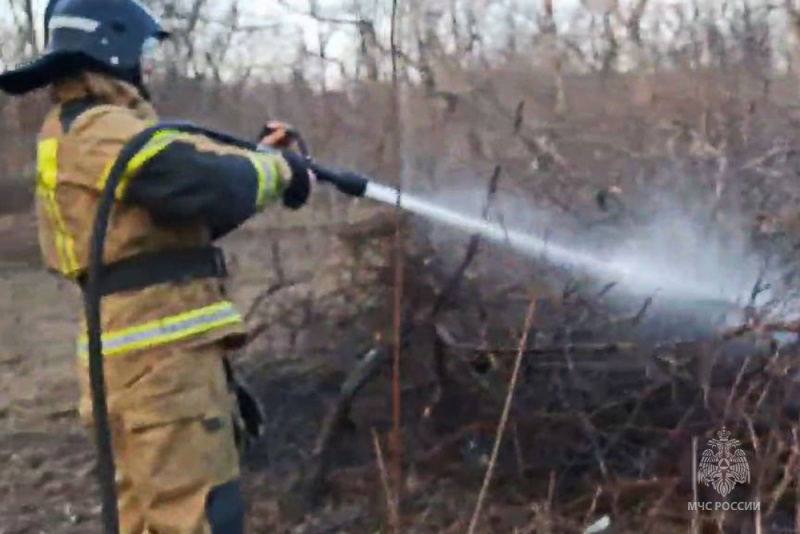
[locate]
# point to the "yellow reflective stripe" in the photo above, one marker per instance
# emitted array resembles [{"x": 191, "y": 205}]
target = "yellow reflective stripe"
[
  {"x": 165, "y": 330},
  {"x": 156, "y": 144},
  {"x": 270, "y": 185},
  {"x": 261, "y": 173},
  {"x": 47, "y": 182},
  {"x": 44, "y": 198},
  {"x": 47, "y": 163},
  {"x": 67, "y": 242},
  {"x": 64, "y": 241}
]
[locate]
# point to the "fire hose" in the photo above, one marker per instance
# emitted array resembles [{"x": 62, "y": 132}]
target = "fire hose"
[{"x": 347, "y": 182}]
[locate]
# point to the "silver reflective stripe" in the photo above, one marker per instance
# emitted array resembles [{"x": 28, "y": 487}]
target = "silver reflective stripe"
[
  {"x": 164, "y": 331},
  {"x": 73, "y": 23}
]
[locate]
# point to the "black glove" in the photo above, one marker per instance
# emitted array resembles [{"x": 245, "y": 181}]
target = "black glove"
[
  {"x": 296, "y": 195},
  {"x": 250, "y": 410},
  {"x": 248, "y": 417}
]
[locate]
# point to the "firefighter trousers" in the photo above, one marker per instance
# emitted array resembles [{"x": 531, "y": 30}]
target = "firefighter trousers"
[{"x": 171, "y": 417}]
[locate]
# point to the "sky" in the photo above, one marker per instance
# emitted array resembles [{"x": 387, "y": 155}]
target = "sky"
[
  {"x": 289, "y": 12},
  {"x": 342, "y": 45}
]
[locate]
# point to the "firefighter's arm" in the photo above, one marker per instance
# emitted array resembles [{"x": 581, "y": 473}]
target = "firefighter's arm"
[
  {"x": 189, "y": 178},
  {"x": 193, "y": 179},
  {"x": 181, "y": 178}
]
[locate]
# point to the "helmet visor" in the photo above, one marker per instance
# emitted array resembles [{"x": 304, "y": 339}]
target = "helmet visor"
[{"x": 153, "y": 59}]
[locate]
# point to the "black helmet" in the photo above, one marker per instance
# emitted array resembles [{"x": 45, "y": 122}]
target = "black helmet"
[{"x": 104, "y": 35}]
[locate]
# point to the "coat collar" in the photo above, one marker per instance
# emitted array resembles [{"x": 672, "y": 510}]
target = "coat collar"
[{"x": 104, "y": 89}]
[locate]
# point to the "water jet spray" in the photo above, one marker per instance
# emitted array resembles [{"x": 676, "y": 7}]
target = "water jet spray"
[{"x": 623, "y": 270}]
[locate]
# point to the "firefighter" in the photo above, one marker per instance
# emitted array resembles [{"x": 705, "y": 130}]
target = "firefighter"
[{"x": 167, "y": 325}]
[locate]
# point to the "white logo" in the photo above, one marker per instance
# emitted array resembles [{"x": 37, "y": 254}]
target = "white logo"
[{"x": 726, "y": 467}]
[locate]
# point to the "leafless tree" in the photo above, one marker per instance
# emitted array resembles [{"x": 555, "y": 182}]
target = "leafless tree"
[{"x": 24, "y": 26}]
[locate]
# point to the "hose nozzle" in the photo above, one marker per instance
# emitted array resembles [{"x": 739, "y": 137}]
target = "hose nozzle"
[{"x": 347, "y": 182}]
